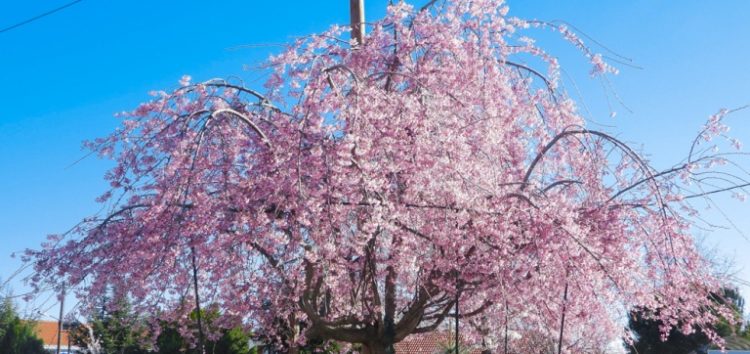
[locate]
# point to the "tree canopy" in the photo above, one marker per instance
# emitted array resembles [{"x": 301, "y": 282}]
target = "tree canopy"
[
  {"x": 650, "y": 339},
  {"x": 120, "y": 330},
  {"x": 16, "y": 335},
  {"x": 368, "y": 187}
]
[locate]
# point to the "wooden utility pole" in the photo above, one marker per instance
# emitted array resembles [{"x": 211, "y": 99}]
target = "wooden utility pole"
[
  {"x": 456, "y": 342},
  {"x": 357, "y": 16},
  {"x": 60, "y": 319},
  {"x": 199, "y": 315}
]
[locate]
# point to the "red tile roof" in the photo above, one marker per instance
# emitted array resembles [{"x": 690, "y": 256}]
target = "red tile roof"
[
  {"x": 47, "y": 332},
  {"x": 428, "y": 343}
]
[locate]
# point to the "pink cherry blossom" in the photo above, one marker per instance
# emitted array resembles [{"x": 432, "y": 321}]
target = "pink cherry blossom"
[{"x": 372, "y": 184}]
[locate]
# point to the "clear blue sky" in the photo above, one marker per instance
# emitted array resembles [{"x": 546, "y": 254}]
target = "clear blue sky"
[{"x": 62, "y": 78}]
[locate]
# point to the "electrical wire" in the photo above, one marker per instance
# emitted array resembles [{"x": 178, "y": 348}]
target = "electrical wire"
[{"x": 32, "y": 19}]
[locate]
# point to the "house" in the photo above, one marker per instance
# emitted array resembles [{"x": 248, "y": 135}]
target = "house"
[{"x": 47, "y": 332}]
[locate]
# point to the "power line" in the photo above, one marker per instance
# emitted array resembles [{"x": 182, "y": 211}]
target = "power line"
[{"x": 50, "y": 12}]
